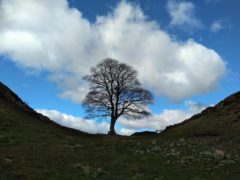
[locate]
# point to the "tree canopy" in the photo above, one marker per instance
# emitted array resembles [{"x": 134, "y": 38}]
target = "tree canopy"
[{"x": 115, "y": 91}]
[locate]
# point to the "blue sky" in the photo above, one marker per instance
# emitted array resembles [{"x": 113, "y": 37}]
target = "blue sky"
[{"x": 186, "y": 53}]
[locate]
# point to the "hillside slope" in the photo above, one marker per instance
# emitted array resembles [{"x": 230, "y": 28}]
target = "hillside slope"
[
  {"x": 222, "y": 120},
  {"x": 33, "y": 147},
  {"x": 17, "y": 113}
]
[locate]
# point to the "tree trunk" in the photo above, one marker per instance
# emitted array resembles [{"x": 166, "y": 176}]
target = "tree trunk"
[{"x": 112, "y": 129}]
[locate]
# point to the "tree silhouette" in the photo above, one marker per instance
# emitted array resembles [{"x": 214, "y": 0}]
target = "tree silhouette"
[{"x": 114, "y": 92}]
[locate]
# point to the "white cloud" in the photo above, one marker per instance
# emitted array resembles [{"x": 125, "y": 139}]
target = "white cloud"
[
  {"x": 156, "y": 122},
  {"x": 49, "y": 35},
  {"x": 183, "y": 14},
  {"x": 79, "y": 123},
  {"x": 74, "y": 88},
  {"x": 166, "y": 118},
  {"x": 216, "y": 26},
  {"x": 127, "y": 132}
]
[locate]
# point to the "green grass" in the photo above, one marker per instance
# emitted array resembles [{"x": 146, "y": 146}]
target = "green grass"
[{"x": 31, "y": 148}]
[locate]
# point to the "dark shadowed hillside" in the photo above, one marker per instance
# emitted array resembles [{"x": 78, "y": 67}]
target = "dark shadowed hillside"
[
  {"x": 222, "y": 120},
  {"x": 33, "y": 147},
  {"x": 11, "y": 104}
]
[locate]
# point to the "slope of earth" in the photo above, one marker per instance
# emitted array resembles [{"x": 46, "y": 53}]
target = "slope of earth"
[
  {"x": 222, "y": 120},
  {"x": 32, "y": 147}
]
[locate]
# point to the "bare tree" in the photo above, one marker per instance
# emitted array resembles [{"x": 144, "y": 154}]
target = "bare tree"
[{"x": 114, "y": 92}]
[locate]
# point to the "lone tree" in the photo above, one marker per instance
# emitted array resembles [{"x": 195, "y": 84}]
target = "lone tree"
[{"x": 114, "y": 92}]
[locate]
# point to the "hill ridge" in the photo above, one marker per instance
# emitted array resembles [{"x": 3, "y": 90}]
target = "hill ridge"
[
  {"x": 9, "y": 99},
  {"x": 225, "y": 113},
  {"x": 31, "y": 148}
]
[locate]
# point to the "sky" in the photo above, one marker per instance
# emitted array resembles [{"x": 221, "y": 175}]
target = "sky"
[{"x": 186, "y": 53}]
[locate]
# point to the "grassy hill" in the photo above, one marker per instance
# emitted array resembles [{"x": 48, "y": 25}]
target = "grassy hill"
[
  {"x": 222, "y": 120},
  {"x": 206, "y": 146}
]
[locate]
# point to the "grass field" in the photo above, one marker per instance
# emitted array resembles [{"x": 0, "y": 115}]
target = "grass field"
[{"x": 33, "y": 148}]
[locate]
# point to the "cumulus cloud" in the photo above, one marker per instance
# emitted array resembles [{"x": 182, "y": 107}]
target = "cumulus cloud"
[
  {"x": 126, "y": 131},
  {"x": 216, "y": 26},
  {"x": 73, "y": 87},
  {"x": 79, "y": 123},
  {"x": 183, "y": 14},
  {"x": 49, "y": 35},
  {"x": 166, "y": 118},
  {"x": 156, "y": 122}
]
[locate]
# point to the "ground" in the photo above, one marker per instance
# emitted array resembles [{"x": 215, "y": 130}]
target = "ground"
[
  {"x": 31, "y": 149},
  {"x": 205, "y": 147}
]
